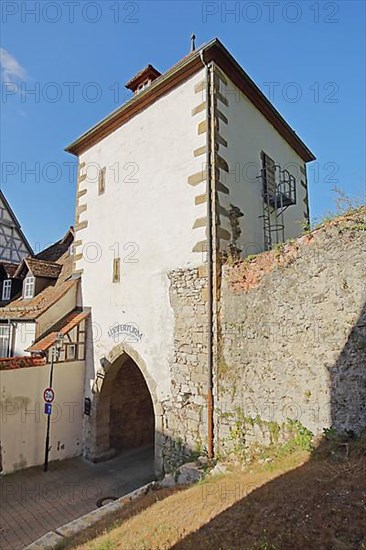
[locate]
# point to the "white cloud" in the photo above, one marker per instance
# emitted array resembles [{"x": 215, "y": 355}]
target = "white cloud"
[{"x": 10, "y": 68}]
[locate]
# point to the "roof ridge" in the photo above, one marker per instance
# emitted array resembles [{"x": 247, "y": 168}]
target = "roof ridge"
[{"x": 214, "y": 52}]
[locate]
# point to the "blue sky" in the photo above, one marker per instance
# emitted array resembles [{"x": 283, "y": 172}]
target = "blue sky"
[{"x": 76, "y": 58}]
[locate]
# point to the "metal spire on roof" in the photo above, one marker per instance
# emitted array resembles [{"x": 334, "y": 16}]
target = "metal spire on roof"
[{"x": 193, "y": 42}]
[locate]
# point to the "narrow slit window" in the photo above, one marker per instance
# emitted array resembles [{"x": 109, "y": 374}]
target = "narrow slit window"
[
  {"x": 116, "y": 270},
  {"x": 101, "y": 181}
]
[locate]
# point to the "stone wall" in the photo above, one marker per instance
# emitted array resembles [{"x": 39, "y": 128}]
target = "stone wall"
[
  {"x": 185, "y": 416},
  {"x": 293, "y": 327},
  {"x": 291, "y": 342}
]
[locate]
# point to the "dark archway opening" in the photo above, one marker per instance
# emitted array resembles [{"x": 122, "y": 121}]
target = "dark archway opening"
[{"x": 131, "y": 419}]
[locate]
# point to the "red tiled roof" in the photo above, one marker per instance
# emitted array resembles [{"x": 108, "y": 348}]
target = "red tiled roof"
[
  {"x": 70, "y": 322},
  {"x": 54, "y": 252},
  {"x": 41, "y": 268},
  {"x": 33, "y": 308},
  {"x": 10, "y": 363}
]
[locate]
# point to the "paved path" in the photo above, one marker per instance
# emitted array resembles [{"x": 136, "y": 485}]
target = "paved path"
[{"x": 33, "y": 502}]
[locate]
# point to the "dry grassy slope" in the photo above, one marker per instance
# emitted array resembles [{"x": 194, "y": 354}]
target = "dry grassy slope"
[{"x": 301, "y": 501}]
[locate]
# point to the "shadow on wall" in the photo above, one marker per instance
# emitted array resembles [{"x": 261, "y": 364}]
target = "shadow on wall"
[
  {"x": 320, "y": 504},
  {"x": 122, "y": 412},
  {"x": 348, "y": 382},
  {"x": 131, "y": 410}
]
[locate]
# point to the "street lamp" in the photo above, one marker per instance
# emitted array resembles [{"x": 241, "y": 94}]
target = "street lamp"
[{"x": 55, "y": 352}]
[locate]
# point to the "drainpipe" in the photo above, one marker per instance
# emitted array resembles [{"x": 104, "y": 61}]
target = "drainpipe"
[
  {"x": 210, "y": 445},
  {"x": 10, "y": 338}
]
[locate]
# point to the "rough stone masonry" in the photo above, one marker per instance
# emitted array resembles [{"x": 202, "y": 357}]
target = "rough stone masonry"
[{"x": 291, "y": 341}]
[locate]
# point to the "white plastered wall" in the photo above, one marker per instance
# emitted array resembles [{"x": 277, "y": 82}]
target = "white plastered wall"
[
  {"x": 23, "y": 334},
  {"x": 57, "y": 311},
  {"x": 145, "y": 217},
  {"x": 248, "y": 133},
  {"x": 21, "y": 410}
]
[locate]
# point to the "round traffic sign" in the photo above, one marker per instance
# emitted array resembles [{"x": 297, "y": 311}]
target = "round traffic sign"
[{"x": 48, "y": 395}]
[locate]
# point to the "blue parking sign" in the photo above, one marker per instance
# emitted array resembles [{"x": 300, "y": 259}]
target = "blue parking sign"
[{"x": 47, "y": 408}]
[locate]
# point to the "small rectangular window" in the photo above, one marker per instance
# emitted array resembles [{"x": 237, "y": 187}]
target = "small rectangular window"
[
  {"x": 4, "y": 341},
  {"x": 70, "y": 352},
  {"x": 28, "y": 287},
  {"x": 81, "y": 352},
  {"x": 6, "y": 290},
  {"x": 101, "y": 181},
  {"x": 116, "y": 270}
]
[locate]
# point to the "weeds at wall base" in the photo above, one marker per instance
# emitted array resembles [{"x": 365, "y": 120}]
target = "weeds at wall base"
[{"x": 285, "y": 438}]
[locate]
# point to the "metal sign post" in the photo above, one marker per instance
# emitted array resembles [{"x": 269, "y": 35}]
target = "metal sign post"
[{"x": 49, "y": 396}]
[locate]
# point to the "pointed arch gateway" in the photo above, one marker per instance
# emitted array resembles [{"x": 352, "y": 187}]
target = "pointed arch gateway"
[{"x": 125, "y": 411}]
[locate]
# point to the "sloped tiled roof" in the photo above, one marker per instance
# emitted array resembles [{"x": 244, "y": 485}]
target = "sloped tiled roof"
[
  {"x": 34, "y": 307},
  {"x": 54, "y": 252},
  {"x": 215, "y": 51},
  {"x": 41, "y": 268},
  {"x": 10, "y": 363},
  {"x": 64, "y": 327}
]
